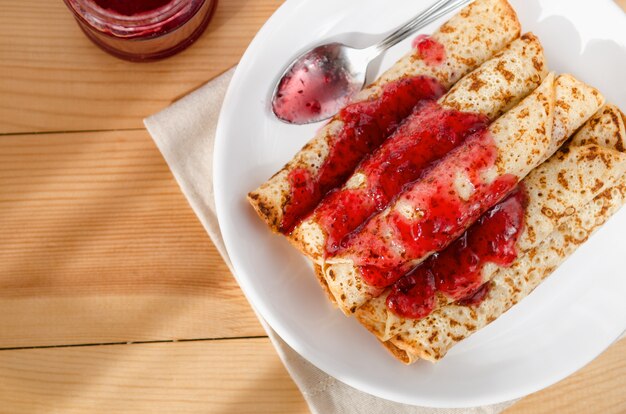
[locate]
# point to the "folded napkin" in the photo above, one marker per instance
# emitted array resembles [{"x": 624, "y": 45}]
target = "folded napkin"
[{"x": 185, "y": 133}]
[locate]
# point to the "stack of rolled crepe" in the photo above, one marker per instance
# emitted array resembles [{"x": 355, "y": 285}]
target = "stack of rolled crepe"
[
  {"x": 372, "y": 220},
  {"x": 524, "y": 137},
  {"x": 570, "y": 196}
]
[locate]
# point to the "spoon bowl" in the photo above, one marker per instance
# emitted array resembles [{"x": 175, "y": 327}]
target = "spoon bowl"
[{"x": 318, "y": 83}]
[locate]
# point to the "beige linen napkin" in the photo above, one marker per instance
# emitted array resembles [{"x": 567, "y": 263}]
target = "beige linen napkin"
[{"x": 185, "y": 133}]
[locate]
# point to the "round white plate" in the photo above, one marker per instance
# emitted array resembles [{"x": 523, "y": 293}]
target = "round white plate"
[{"x": 570, "y": 319}]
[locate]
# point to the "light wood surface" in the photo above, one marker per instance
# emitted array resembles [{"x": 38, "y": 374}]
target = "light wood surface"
[
  {"x": 99, "y": 245},
  {"x": 209, "y": 377},
  {"x": 99, "y": 248},
  {"x": 182, "y": 377}
]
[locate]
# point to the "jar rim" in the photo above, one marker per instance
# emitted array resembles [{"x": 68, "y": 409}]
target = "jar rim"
[{"x": 129, "y": 26}]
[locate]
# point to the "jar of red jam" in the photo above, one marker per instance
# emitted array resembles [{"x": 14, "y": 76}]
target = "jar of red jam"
[{"x": 140, "y": 30}]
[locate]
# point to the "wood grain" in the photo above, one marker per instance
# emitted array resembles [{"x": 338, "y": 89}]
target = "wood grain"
[
  {"x": 54, "y": 79},
  {"x": 99, "y": 245},
  {"x": 218, "y": 377},
  {"x": 228, "y": 376}
]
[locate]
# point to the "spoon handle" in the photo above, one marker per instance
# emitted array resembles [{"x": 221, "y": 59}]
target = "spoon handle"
[{"x": 432, "y": 13}]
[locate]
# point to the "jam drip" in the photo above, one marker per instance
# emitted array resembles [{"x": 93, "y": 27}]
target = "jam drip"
[
  {"x": 365, "y": 126},
  {"x": 456, "y": 271},
  {"x": 427, "y": 135},
  {"x": 429, "y": 50},
  {"x": 475, "y": 298},
  {"x": 430, "y": 214}
]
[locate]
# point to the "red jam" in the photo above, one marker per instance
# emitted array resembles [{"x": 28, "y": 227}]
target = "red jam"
[
  {"x": 128, "y": 8},
  {"x": 413, "y": 296},
  {"x": 437, "y": 212},
  {"x": 429, "y": 50},
  {"x": 427, "y": 135},
  {"x": 379, "y": 277},
  {"x": 313, "y": 89},
  {"x": 365, "y": 126},
  {"x": 141, "y": 30},
  {"x": 475, "y": 298},
  {"x": 456, "y": 271}
]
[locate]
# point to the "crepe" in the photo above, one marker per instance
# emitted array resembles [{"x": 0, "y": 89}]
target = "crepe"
[
  {"x": 430, "y": 338},
  {"x": 490, "y": 90},
  {"x": 468, "y": 39},
  {"x": 555, "y": 191},
  {"x": 605, "y": 128},
  {"x": 524, "y": 137},
  {"x": 568, "y": 182}
]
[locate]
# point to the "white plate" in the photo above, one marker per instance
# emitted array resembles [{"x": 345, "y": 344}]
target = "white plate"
[{"x": 570, "y": 319}]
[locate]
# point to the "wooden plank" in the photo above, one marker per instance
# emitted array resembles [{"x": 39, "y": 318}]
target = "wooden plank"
[
  {"x": 99, "y": 245},
  {"x": 232, "y": 376},
  {"x": 239, "y": 375},
  {"x": 600, "y": 387},
  {"x": 54, "y": 79}
]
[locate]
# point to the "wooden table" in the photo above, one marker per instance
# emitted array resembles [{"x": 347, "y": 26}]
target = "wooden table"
[{"x": 112, "y": 297}]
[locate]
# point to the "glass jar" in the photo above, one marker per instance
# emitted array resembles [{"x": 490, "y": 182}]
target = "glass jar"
[{"x": 141, "y": 30}]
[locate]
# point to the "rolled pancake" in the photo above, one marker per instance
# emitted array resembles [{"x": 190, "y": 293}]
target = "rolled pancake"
[
  {"x": 319, "y": 274},
  {"x": 523, "y": 137},
  {"x": 468, "y": 39},
  {"x": 431, "y": 337},
  {"x": 605, "y": 128},
  {"x": 489, "y": 91},
  {"x": 555, "y": 190}
]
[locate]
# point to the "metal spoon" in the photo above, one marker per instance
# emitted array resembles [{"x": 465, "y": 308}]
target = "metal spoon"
[{"x": 321, "y": 81}]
